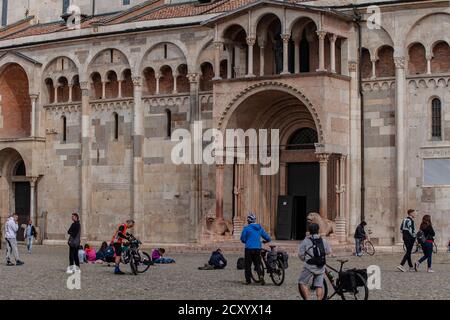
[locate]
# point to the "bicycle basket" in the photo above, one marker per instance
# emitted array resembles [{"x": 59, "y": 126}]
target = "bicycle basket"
[
  {"x": 284, "y": 257},
  {"x": 363, "y": 274},
  {"x": 272, "y": 259}
]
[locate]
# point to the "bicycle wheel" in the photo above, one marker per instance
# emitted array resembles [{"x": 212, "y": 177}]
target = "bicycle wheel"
[
  {"x": 358, "y": 293},
  {"x": 277, "y": 274},
  {"x": 313, "y": 292},
  {"x": 133, "y": 265},
  {"x": 145, "y": 262},
  {"x": 369, "y": 248},
  {"x": 255, "y": 276}
]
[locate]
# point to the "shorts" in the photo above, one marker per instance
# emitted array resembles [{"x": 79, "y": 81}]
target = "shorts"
[
  {"x": 307, "y": 275},
  {"x": 117, "y": 248}
]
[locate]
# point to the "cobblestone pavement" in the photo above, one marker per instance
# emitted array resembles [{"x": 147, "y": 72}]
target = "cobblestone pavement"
[{"x": 43, "y": 277}]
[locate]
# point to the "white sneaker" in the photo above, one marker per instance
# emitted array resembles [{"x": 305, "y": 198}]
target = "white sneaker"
[
  {"x": 401, "y": 268},
  {"x": 430, "y": 270},
  {"x": 70, "y": 270},
  {"x": 76, "y": 269}
]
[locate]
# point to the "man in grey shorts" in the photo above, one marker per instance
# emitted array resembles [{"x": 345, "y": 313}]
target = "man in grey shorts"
[{"x": 312, "y": 251}]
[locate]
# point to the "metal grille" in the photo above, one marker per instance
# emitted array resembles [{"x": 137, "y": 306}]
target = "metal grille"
[
  {"x": 303, "y": 139},
  {"x": 436, "y": 126}
]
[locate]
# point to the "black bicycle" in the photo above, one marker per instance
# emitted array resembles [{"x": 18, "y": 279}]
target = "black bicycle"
[
  {"x": 139, "y": 261},
  {"x": 274, "y": 267},
  {"x": 418, "y": 247},
  {"x": 349, "y": 284}
]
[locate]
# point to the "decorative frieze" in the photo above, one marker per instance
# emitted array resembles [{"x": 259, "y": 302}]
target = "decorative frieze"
[
  {"x": 378, "y": 85},
  {"x": 433, "y": 82}
]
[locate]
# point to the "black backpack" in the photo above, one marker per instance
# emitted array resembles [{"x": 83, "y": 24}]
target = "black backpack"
[
  {"x": 318, "y": 259},
  {"x": 241, "y": 264}
]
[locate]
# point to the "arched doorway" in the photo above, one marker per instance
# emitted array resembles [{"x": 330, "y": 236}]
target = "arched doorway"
[
  {"x": 15, "y": 186},
  {"x": 297, "y": 182}
]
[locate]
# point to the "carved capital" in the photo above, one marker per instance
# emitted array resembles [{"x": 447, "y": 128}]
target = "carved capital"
[
  {"x": 323, "y": 157},
  {"x": 332, "y": 37},
  {"x": 84, "y": 85},
  {"x": 218, "y": 45},
  {"x": 193, "y": 77},
  {"x": 400, "y": 62},
  {"x": 34, "y": 96},
  {"x": 286, "y": 37},
  {"x": 136, "y": 81},
  {"x": 352, "y": 66},
  {"x": 321, "y": 34},
  {"x": 251, "y": 41}
]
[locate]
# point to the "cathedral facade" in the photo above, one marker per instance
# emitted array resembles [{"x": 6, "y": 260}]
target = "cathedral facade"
[{"x": 91, "y": 93}]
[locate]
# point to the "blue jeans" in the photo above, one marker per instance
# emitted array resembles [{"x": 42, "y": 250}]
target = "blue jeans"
[
  {"x": 358, "y": 243},
  {"x": 29, "y": 241},
  {"x": 164, "y": 260},
  {"x": 427, "y": 248}
]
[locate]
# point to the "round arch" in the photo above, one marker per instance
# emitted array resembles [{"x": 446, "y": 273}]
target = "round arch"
[{"x": 147, "y": 50}]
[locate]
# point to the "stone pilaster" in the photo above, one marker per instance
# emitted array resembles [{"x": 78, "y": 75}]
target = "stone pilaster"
[
  {"x": 218, "y": 47},
  {"x": 285, "y": 37},
  {"x": 321, "y": 34},
  {"x": 85, "y": 161},
  {"x": 250, "y": 43},
  {"x": 33, "y": 118},
  {"x": 333, "y": 38},
  {"x": 323, "y": 193}
]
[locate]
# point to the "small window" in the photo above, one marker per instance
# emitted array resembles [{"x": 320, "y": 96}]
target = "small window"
[
  {"x": 436, "y": 123},
  {"x": 304, "y": 138},
  {"x": 126, "y": 2},
  {"x": 20, "y": 169},
  {"x": 111, "y": 52},
  {"x": 116, "y": 126},
  {"x": 169, "y": 123},
  {"x": 165, "y": 51},
  {"x": 5, "y": 12},
  {"x": 66, "y": 4},
  {"x": 64, "y": 129}
]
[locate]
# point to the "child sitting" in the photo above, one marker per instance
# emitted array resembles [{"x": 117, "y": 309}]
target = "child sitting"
[
  {"x": 81, "y": 255},
  {"x": 157, "y": 256},
  {"x": 90, "y": 253}
]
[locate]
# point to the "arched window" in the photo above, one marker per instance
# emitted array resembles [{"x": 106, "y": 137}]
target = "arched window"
[
  {"x": 169, "y": 123},
  {"x": 436, "y": 123},
  {"x": 64, "y": 128},
  {"x": 116, "y": 126},
  {"x": 303, "y": 138},
  {"x": 20, "y": 169}
]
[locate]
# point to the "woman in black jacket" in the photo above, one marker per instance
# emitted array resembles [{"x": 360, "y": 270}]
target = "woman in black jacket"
[
  {"x": 427, "y": 246},
  {"x": 74, "y": 242}
]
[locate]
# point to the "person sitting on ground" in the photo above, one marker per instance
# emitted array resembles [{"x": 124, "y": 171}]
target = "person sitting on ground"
[
  {"x": 158, "y": 256},
  {"x": 90, "y": 253},
  {"x": 81, "y": 255},
  {"x": 216, "y": 261},
  {"x": 100, "y": 255}
]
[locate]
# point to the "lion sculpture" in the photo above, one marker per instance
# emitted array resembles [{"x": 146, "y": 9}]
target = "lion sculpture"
[
  {"x": 217, "y": 226},
  {"x": 326, "y": 226}
]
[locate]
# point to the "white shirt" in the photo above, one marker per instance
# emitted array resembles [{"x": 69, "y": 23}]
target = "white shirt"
[{"x": 11, "y": 228}]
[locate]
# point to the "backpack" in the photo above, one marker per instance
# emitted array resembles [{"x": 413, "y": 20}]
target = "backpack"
[
  {"x": 319, "y": 253},
  {"x": 109, "y": 252},
  {"x": 272, "y": 257},
  {"x": 284, "y": 256},
  {"x": 241, "y": 264},
  {"x": 421, "y": 237}
]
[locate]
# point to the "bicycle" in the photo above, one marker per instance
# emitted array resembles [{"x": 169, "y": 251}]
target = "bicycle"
[
  {"x": 367, "y": 246},
  {"x": 139, "y": 261},
  {"x": 418, "y": 247},
  {"x": 356, "y": 291},
  {"x": 276, "y": 271}
]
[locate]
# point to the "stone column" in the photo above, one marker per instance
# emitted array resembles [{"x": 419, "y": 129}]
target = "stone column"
[
  {"x": 321, "y": 34},
  {"x": 261, "y": 57},
  {"x": 333, "y": 39},
  {"x": 157, "y": 77},
  {"x": 103, "y": 89},
  {"x": 33, "y": 181},
  {"x": 400, "y": 90},
  {"x": 429, "y": 64},
  {"x": 85, "y": 161},
  {"x": 218, "y": 47},
  {"x": 56, "y": 94},
  {"x": 340, "y": 219},
  {"x": 119, "y": 94},
  {"x": 138, "y": 163},
  {"x": 219, "y": 191},
  {"x": 323, "y": 194},
  {"x": 33, "y": 98},
  {"x": 230, "y": 61},
  {"x": 285, "y": 37},
  {"x": 70, "y": 93},
  {"x": 175, "y": 76},
  {"x": 250, "y": 43},
  {"x": 374, "y": 68},
  {"x": 297, "y": 56},
  {"x": 238, "y": 221}
]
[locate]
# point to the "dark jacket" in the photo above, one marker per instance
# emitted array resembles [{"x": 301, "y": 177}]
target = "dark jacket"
[
  {"x": 217, "y": 260},
  {"x": 251, "y": 236},
  {"x": 75, "y": 235},
  {"x": 360, "y": 233},
  {"x": 408, "y": 229},
  {"x": 429, "y": 233}
]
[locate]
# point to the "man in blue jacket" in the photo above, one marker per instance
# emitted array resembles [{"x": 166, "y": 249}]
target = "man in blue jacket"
[{"x": 251, "y": 236}]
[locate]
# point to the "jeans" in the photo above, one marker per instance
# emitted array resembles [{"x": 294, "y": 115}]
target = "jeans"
[
  {"x": 164, "y": 260},
  {"x": 29, "y": 241},
  {"x": 409, "y": 244},
  {"x": 11, "y": 247},
  {"x": 252, "y": 256},
  {"x": 358, "y": 243},
  {"x": 427, "y": 248}
]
